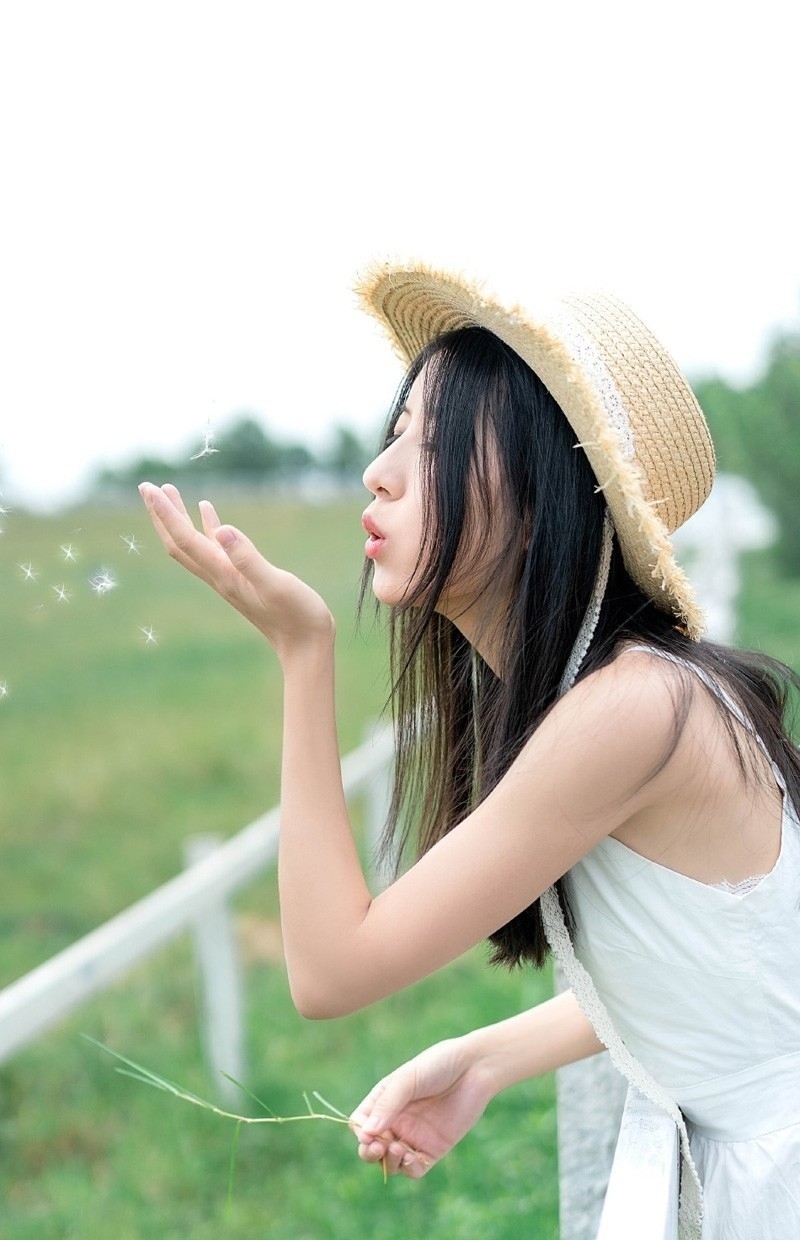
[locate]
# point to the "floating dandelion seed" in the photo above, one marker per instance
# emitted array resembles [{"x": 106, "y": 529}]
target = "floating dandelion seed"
[
  {"x": 70, "y": 554},
  {"x": 28, "y": 572},
  {"x": 150, "y": 638},
  {"x": 62, "y": 594},
  {"x": 3, "y": 690},
  {"x": 130, "y": 542},
  {"x": 208, "y": 445},
  {"x": 103, "y": 582}
]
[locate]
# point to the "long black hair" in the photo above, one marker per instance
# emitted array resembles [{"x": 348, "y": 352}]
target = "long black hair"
[{"x": 502, "y": 469}]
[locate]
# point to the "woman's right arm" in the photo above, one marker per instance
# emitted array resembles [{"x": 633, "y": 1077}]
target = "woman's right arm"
[{"x": 414, "y": 1116}]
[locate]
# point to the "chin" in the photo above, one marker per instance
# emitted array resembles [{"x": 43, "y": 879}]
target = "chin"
[{"x": 388, "y": 590}]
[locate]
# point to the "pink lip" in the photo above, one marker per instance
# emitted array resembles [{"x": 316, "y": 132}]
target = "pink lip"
[{"x": 376, "y": 540}]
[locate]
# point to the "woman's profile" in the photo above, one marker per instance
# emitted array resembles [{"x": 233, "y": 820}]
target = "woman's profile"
[{"x": 577, "y": 771}]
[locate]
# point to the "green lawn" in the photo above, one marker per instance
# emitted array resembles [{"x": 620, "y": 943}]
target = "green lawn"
[{"x": 113, "y": 751}]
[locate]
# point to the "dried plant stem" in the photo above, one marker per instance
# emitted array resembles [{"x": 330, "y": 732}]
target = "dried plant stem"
[
  {"x": 138, "y": 1073},
  {"x": 144, "y": 1075}
]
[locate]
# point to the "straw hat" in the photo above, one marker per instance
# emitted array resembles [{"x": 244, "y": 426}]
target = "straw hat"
[{"x": 631, "y": 409}]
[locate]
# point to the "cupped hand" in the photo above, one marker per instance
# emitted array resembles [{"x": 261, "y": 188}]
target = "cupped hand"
[
  {"x": 415, "y": 1116},
  {"x": 281, "y": 606}
]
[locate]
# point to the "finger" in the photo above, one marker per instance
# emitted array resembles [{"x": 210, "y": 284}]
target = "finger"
[
  {"x": 193, "y": 550},
  {"x": 367, "y": 1105},
  {"x": 175, "y": 526},
  {"x": 372, "y": 1151},
  {"x": 153, "y": 502},
  {"x": 414, "y": 1165},
  {"x": 174, "y": 495},
  {"x": 209, "y": 518},
  {"x": 389, "y": 1155},
  {"x": 396, "y": 1091},
  {"x": 248, "y": 561},
  {"x": 396, "y": 1157}
]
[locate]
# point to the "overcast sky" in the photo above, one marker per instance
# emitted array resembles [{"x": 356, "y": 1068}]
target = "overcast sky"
[{"x": 190, "y": 188}]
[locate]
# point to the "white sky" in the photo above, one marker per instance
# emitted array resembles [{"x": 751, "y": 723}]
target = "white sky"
[{"x": 190, "y": 187}]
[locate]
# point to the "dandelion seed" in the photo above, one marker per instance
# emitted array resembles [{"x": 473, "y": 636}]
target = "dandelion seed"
[
  {"x": 3, "y": 690},
  {"x": 28, "y": 572},
  {"x": 62, "y": 594},
  {"x": 103, "y": 582},
  {"x": 150, "y": 638},
  {"x": 130, "y": 542},
  {"x": 70, "y": 554},
  {"x": 208, "y": 445}
]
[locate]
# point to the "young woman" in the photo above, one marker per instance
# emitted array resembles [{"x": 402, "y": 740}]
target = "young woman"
[{"x": 579, "y": 771}]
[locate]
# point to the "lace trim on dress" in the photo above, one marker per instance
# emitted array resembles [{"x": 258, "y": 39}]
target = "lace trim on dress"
[{"x": 740, "y": 888}]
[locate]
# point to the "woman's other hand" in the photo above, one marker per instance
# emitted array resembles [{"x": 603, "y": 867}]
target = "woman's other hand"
[
  {"x": 414, "y": 1116},
  {"x": 281, "y": 606}
]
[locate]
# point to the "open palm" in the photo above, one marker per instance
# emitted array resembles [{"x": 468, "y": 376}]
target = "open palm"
[{"x": 280, "y": 605}]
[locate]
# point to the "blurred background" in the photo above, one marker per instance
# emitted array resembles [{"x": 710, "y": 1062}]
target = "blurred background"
[{"x": 189, "y": 193}]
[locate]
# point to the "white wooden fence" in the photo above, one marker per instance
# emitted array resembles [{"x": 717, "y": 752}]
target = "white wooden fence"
[
  {"x": 641, "y": 1202},
  {"x": 44, "y": 996}
]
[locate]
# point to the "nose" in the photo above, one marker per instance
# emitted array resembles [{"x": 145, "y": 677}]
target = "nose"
[{"x": 374, "y": 477}]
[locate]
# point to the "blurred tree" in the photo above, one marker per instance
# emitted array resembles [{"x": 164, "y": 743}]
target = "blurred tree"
[
  {"x": 757, "y": 434},
  {"x": 245, "y": 451},
  {"x": 144, "y": 469},
  {"x": 245, "y": 448},
  {"x": 347, "y": 456}
]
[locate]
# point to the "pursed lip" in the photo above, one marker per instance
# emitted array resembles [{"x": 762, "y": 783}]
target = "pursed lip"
[
  {"x": 370, "y": 526},
  {"x": 376, "y": 540}
]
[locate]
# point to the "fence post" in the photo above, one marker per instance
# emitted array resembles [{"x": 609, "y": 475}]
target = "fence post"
[
  {"x": 590, "y": 1098},
  {"x": 220, "y": 976}
]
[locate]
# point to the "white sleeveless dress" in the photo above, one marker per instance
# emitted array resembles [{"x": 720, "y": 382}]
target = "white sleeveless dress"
[{"x": 703, "y": 986}]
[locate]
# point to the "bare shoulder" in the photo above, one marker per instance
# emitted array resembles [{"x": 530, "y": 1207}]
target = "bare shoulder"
[
  {"x": 617, "y": 728},
  {"x": 636, "y": 694}
]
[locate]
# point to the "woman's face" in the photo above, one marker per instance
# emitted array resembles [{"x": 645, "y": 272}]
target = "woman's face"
[
  {"x": 394, "y": 520},
  {"x": 395, "y": 523}
]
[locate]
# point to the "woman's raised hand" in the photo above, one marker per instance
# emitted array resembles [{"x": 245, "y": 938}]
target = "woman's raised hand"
[
  {"x": 414, "y": 1116},
  {"x": 281, "y": 606}
]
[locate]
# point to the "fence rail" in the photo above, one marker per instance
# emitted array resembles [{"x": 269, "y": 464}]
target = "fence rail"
[{"x": 44, "y": 996}]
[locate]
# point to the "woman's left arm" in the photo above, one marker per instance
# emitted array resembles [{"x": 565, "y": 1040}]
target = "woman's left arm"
[{"x": 586, "y": 770}]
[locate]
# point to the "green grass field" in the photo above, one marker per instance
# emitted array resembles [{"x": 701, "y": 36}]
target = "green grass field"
[{"x": 113, "y": 751}]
